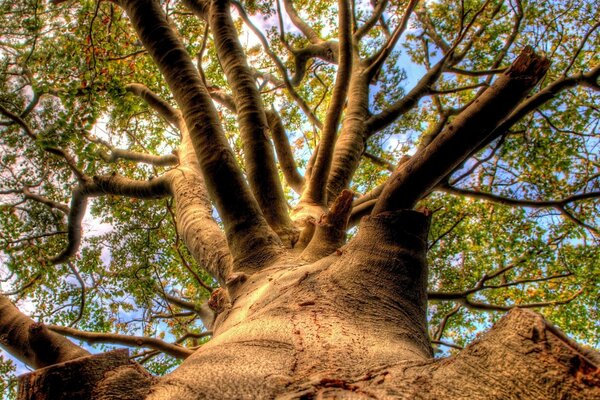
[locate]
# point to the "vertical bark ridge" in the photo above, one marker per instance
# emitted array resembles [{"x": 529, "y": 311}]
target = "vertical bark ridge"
[
  {"x": 465, "y": 133},
  {"x": 258, "y": 151},
  {"x": 250, "y": 239}
]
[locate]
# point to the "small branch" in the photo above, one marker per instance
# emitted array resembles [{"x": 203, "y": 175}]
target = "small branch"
[
  {"x": 556, "y": 204},
  {"x": 114, "y": 185},
  {"x": 44, "y": 200},
  {"x": 373, "y": 19},
  {"x": 135, "y": 156},
  {"x": 82, "y": 297},
  {"x": 492, "y": 307},
  {"x": 457, "y": 89},
  {"x": 81, "y": 177},
  {"x": 379, "y": 59},
  {"x": 447, "y": 232},
  {"x": 19, "y": 121},
  {"x": 285, "y": 155},
  {"x": 310, "y": 34},
  {"x": 581, "y": 45},
  {"x": 163, "y": 108},
  {"x": 380, "y": 161},
  {"x": 439, "y": 332},
  {"x": 447, "y": 344},
  {"x": 380, "y": 121},
  {"x": 460, "y": 71},
  {"x": 126, "y": 340},
  {"x": 518, "y": 202}
]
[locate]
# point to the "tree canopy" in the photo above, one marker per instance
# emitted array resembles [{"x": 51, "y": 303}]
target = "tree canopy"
[{"x": 91, "y": 126}]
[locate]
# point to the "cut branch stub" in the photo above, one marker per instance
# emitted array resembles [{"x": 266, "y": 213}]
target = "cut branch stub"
[{"x": 330, "y": 232}]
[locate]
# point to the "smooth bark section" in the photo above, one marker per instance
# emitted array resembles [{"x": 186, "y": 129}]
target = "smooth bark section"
[
  {"x": 250, "y": 239},
  {"x": 466, "y": 132},
  {"x": 135, "y": 156},
  {"x": 201, "y": 234},
  {"x": 383, "y": 275},
  {"x": 252, "y": 121},
  {"x": 315, "y": 192},
  {"x": 32, "y": 342}
]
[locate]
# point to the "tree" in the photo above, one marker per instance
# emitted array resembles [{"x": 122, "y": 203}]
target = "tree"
[{"x": 231, "y": 150}]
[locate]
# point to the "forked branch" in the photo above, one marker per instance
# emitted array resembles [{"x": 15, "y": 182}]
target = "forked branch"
[{"x": 249, "y": 236}]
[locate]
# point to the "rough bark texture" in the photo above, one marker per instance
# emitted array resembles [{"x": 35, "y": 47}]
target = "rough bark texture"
[{"x": 107, "y": 376}]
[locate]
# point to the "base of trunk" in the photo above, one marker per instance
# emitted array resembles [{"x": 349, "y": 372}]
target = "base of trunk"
[{"x": 521, "y": 357}]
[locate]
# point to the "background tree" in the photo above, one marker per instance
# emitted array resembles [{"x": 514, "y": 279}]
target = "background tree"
[{"x": 166, "y": 163}]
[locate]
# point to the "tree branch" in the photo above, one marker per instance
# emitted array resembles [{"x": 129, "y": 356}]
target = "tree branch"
[
  {"x": 164, "y": 109},
  {"x": 249, "y": 237},
  {"x": 126, "y": 340},
  {"x": 380, "y": 121},
  {"x": 31, "y": 342},
  {"x": 114, "y": 185},
  {"x": 282, "y": 70},
  {"x": 370, "y": 23},
  {"x": 252, "y": 121},
  {"x": 310, "y": 34},
  {"x": 556, "y": 204},
  {"x": 377, "y": 61},
  {"x": 315, "y": 192},
  {"x": 463, "y": 135},
  {"x": 285, "y": 155}
]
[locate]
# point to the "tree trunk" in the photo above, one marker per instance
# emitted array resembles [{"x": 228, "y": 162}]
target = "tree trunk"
[{"x": 353, "y": 325}]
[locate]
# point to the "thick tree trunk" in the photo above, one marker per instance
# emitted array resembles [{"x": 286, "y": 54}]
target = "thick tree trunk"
[{"x": 353, "y": 325}]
